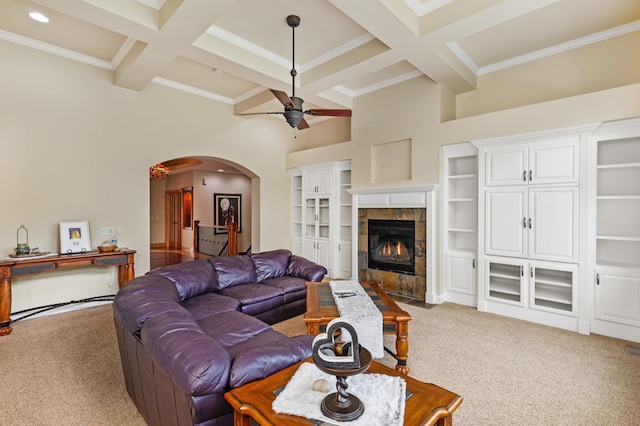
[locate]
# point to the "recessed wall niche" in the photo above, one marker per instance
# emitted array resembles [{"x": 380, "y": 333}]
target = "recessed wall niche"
[{"x": 391, "y": 161}]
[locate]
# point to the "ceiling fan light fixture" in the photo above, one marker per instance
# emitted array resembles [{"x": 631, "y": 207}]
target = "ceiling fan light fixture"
[{"x": 293, "y": 117}]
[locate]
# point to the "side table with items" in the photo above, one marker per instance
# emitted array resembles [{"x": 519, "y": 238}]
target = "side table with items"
[
  {"x": 426, "y": 404},
  {"x": 11, "y": 268}
]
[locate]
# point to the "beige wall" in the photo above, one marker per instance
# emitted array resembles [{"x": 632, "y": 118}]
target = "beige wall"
[{"x": 76, "y": 147}]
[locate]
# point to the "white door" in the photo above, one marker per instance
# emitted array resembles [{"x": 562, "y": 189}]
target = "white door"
[
  {"x": 552, "y": 224},
  {"x": 554, "y": 161},
  {"x": 461, "y": 273},
  {"x": 309, "y": 250},
  {"x": 344, "y": 260},
  {"x": 506, "y": 166},
  {"x": 617, "y": 298},
  {"x": 323, "y": 250},
  {"x": 506, "y": 221}
]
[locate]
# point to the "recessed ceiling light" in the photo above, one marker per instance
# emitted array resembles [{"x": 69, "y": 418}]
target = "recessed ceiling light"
[
  {"x": 220, "y": 170},
  {"x": 218, "y": 71},
  {"x": 38, "y": 17}
]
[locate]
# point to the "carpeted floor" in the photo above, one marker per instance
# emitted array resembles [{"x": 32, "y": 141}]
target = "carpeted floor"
[{"x": 65, "y": 370}]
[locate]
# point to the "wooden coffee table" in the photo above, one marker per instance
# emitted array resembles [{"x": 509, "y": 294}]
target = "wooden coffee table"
[
  {"x": 427, "y": 404},
  {"x": 321, "y": 309}
]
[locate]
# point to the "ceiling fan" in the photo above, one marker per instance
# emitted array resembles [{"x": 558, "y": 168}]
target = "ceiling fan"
[{"x": 293, "y": 112}]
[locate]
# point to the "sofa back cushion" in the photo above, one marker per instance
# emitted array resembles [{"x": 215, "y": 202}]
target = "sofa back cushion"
[
  {"x": 271, "y": 264},
  {"x": 233, "y": 270},
  {"x": 190, "y": 278}
]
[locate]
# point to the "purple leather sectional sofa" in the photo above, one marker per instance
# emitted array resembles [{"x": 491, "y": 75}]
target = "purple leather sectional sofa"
[{"x": 189, "y": 332}]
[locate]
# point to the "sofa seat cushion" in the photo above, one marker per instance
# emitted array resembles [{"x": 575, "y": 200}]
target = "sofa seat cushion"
[
  {"x": 231, "y": 328},
  {"x": 287, "y": 284},
  {"x": 233, "y": 270},
  {"x": 190, "y": 278},
  {"x": 264, "y": 360},
  {"x": 209, "y": 304},
  {"x": 271, "y": 264},
  {"x": 255, "y": 298},
  {"x": 295, "y": 296}
]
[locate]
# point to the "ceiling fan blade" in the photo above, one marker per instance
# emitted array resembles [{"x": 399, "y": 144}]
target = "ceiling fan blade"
[
  {"x": 260, "y": 113},
  {"x": 282, "y": 97},
  {"x": 303, "y": 124},
  {"x": 329, "y": 112}
]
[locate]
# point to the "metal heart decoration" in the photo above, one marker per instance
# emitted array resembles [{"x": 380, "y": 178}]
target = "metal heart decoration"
[{"x": 331, "y": 353}]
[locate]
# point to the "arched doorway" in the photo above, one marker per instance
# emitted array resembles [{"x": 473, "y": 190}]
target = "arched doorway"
[{"x": 188, "y": 191}]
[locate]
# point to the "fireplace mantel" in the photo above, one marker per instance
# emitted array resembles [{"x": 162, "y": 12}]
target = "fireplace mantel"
[{"x": 415, "y": 196}]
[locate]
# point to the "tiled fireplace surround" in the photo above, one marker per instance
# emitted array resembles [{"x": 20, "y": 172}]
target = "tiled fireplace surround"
[{"x": 406, "y": 203}]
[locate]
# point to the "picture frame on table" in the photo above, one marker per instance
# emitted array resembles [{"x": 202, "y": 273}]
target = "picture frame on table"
[
  {"x": 227, "y": 208},
  {"x": 74, "y": 237}
]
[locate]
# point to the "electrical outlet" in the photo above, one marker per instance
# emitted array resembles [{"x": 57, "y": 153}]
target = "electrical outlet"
[{"x": 106, "y": 230}]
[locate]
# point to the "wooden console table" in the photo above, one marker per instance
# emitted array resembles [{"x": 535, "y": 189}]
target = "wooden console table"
[{"x": 19, "y": 267}]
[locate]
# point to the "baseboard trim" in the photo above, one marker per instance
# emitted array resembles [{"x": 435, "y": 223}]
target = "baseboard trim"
[{"x": 157, "y": 246}]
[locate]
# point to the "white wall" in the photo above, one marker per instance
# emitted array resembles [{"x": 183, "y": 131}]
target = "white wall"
[{"x": 76, "y": 147}]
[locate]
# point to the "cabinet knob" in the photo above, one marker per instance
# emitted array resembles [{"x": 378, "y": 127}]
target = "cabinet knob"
[
  {"x": 530, "y": 176},
  {"x": 529, "y": 223},
  {"x": 524, "y": 222},
  {"x": 524, "y": 176},
  {"x": 473, "y": 264}
]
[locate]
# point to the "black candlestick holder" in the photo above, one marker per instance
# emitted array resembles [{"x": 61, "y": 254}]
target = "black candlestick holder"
[{"x": 341, "y": 405}]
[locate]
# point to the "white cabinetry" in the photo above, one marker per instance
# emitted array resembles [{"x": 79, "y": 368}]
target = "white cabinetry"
[
  {"x": 538, "y": 285},
  {"x": 539, "y": 223},
  {"x": 532, "y": 218},
  {"x": 321, "y": 215},
  {"x": 551, "y": 161},
  {"x": 317, "y": 181},
  {"x": 296, "y": 212},
  {"x": 460, "y": 220},
  {"x": 615, "y": 230}
]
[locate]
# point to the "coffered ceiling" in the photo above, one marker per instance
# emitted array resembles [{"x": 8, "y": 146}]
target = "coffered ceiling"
[{"x": 235, "y": 50}]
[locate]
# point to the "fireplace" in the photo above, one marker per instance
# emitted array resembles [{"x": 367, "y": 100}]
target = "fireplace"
[{"x": 391, "y": 245}]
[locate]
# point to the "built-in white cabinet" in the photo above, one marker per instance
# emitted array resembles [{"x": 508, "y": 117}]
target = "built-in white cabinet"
[
  {"x": 460, "y": 221},
  {"x": 321, "y": 215},
  {"x": 615, "y": 230},
  {"x": 537, "y": 163},
  {"x": 532, "y": 219},
  {"x": 534, "y": 285},
  {"x": 317, "y": 182},
  {"x": 318, "y": 251},
  {"x": 538, "y": 223},
  {"x": 296, "y": 212}
]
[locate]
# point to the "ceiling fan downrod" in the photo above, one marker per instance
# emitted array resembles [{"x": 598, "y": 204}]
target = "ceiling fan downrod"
[{"x": 293, "y": 21}]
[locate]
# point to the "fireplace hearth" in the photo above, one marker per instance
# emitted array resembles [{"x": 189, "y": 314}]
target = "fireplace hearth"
[{"x": 391, "y": 245}]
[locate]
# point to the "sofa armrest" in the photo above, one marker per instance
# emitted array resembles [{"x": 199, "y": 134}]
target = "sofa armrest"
[
  {"x": 263, "y": 361},
  {"x": 303, "y": 268},
  {"x": 193, "y": 359}
]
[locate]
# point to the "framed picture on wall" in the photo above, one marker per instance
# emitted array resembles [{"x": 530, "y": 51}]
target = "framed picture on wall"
[
  {"x": 227, "y": 208},
  {"x": 74, "y": 237}
]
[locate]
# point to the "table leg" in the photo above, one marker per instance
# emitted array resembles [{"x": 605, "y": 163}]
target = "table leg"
[
  {"x": 402, "y": 347},
  {"x": 126, "y": 272},
  {"x": 240, "y": 419},
  {"x": 5, "y": 305}
]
